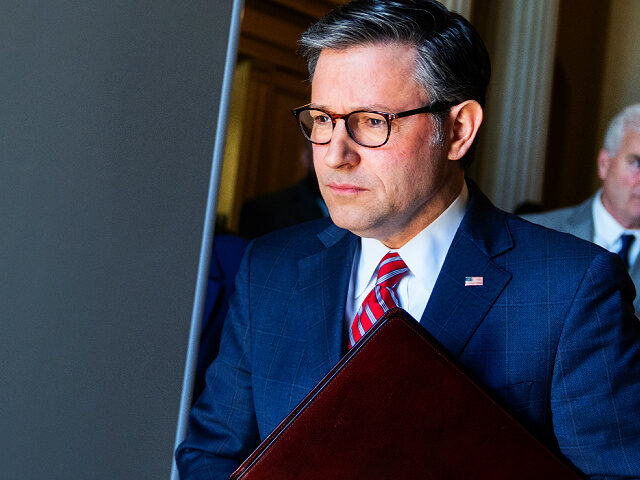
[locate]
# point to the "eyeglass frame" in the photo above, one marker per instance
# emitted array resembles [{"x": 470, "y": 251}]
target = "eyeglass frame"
[{"x": 435, "y": 107}]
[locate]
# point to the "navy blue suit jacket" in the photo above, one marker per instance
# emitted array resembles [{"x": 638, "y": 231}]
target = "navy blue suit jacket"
[
  {"x": 226, "y": 254},
  {"x": 551, "y": 332}
]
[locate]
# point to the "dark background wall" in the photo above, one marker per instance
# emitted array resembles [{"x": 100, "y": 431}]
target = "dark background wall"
[
  {"x": 574, "y": 140},
  {"x": 107, "y": 123}
]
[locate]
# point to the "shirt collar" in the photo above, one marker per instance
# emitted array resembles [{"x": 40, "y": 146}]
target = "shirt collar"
[
  {"x": 606, "y": 229},
  {"x": 424, "y": 254}
]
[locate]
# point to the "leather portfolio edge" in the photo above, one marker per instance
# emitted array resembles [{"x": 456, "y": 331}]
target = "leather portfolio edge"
[{"x": 396, "y": 314}]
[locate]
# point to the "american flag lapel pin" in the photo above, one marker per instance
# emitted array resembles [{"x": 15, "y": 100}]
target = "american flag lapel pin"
[{"x": 473, "y": 281}]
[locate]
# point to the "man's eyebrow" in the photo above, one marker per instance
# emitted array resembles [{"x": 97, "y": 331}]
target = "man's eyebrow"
[{"x": 369, "y": 107}]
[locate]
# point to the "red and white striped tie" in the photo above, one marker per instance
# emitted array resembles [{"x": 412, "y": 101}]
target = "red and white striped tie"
[{"x": 381, "y": 298}]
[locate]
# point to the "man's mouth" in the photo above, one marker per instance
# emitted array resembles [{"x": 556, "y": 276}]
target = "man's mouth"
[{"x": 345, "y": 188}]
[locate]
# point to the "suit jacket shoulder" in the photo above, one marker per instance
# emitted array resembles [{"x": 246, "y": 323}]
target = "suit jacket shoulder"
[
  {"x": 280, "y": 209},
  {"x": 576, "y": 220}
]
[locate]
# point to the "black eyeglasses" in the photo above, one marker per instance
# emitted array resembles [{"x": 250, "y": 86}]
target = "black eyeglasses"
[{"x": 369, "y": 129}]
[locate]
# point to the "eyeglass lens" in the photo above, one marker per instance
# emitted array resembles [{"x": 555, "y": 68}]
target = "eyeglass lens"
[{"x": 367, "y": 128}]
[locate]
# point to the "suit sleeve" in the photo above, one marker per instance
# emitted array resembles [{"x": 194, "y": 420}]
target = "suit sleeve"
[
  {"x": 222, "y": 426},
  {"x": 595, "y": 395}
]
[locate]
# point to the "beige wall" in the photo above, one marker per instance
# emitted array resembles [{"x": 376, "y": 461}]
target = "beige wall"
[
  {"x": 621, "y": 82},
  {"x": 231, "y": 162}
]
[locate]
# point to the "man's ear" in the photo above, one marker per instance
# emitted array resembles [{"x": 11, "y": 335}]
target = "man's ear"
[
  {"x": 604, "y": 161},
  {"x": 465, "y": 119}
]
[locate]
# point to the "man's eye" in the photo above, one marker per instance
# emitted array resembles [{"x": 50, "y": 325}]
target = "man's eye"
[
  {"x": 372, "y": 121},
  {"x": 321, "y": 119}
]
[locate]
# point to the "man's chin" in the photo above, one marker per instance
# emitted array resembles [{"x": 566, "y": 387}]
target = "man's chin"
[{"x": 354, "y": 221}]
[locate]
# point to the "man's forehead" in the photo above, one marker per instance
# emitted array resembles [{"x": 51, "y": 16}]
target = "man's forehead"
[
  {"x": 366, "y": 77},
  {"x": 631, "y": 139},
  {"x": 394, "y": 51},
  {"x": 633, "y": 131}
]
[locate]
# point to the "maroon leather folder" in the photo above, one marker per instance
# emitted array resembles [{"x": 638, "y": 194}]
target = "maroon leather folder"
[{"x": 396, "y": 407}]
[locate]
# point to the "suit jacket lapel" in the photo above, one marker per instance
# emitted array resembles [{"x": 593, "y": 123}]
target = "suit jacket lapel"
[
  {"x": 324, "y": 281},
  {"x": 455, "y": 311},
  {"x": 635, "y": 276},
  {"x": 580, "y": 223},
  {"x": 634, "y": 273}
]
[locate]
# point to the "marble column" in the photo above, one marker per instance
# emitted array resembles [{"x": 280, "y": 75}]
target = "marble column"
[
  {"x": 463, "y": 7},
  {"x": 509, "y": 164}
]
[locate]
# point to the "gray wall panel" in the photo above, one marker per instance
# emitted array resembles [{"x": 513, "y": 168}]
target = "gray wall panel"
[{"x": 107, "y": 122}]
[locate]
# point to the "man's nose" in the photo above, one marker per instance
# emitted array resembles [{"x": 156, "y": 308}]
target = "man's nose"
[{"x": 341, "y": 151}]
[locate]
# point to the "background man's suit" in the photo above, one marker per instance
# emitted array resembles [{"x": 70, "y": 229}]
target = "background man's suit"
[
  {"x": 578, "y": 221},
  {"x": 551, "y": 333},
  {"x": 226, "y": 254},
  {"x": 296, "y": 204}
]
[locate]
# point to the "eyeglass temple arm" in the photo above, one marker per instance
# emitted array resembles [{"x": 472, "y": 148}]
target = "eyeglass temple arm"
[{"x": 435, "y": 107}]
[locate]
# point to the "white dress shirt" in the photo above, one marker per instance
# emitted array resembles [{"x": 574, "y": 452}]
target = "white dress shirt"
[
  {"x": 424, "y": 254},
  {"x": 607, "y": 231}
]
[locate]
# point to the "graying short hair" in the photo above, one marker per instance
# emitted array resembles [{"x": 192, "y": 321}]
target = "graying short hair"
[
  {"x": 629, "y": 118},
  {"x": 452, "y": 63}
]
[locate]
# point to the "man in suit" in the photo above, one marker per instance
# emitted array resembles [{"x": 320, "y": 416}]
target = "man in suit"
[
  {"x": 298, "y": 203},
  {"x": 546, "y": 324},
  {"x": 611, "y": 217}
]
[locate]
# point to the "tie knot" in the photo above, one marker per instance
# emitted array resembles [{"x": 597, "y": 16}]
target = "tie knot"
[
  {"x": 381, "y": 298},
  {"x": 627, "y": 239},
  {"x": 391, "y": 269}
]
